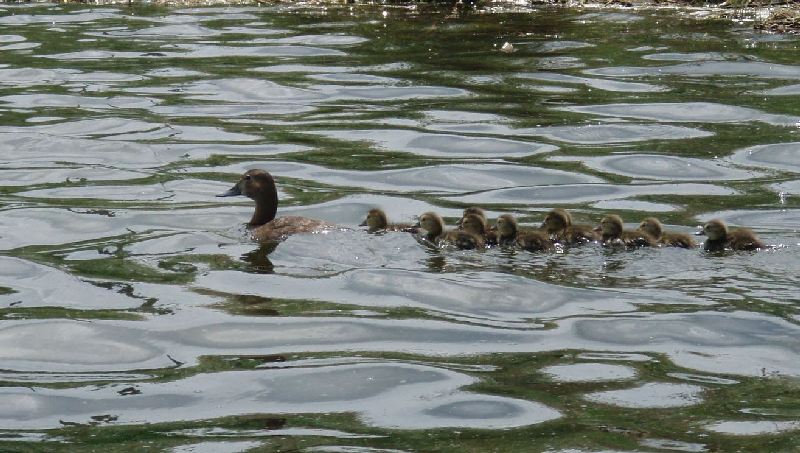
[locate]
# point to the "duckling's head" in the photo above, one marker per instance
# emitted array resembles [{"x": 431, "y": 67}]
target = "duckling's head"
[
  {"x": 472, "y": 210},
  {"x": 432, "y": 223},
  {"x": 253, "y": 184},
  {"x": 716, "y": 230},
  {"x": 376, "y": 219},
  {"x": 611, "y": 225},
  {"x": 475, "y": 224},
  {"x": 557, "y": 220},
  {"x": 506, "y": 225},
  {"x": 651, "y": 226}
]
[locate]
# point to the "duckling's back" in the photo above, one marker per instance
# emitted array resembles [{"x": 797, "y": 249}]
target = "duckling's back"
[
  {"x": 744, "y": 239},
  {"x": 678, "y": 240}
]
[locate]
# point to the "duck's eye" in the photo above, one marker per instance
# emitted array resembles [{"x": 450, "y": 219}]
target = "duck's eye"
[{"x": 246, "y": 177}]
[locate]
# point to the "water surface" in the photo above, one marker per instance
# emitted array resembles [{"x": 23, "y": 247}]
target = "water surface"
[{"x": 135, "y": 311}]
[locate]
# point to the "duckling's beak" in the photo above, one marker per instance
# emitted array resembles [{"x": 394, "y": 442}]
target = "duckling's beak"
[
  {"x": 494, "y": 228},
  {"x": 364, "y": 223},
  {"x": 597, "y": 228},
  {"x": 700, "y": 232},
  {"x": 232, "y": 192},
  {"x": 459, "y": 222}
]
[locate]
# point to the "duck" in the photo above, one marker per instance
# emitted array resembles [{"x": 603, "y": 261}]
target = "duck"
[
  {"x": 258, "y": 185},
  {"x": 472, "y": 210},
  {"x": 719, "y": 237},
  {"x": 489, "y": 235},
  {"x": 558, "y": 224},
  {"x": 433, "y": 224},
  {"x": 653, "y": 227},
  {"x": 508, "y": 233},
  {"x": 376, "y": 221},
  {"x": 613, "y": 233}
]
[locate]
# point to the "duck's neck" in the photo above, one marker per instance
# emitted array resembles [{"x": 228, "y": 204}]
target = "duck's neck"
[{"x": 266, "y": 204}]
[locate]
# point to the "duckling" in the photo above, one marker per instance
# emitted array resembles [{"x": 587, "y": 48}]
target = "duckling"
[
  {"x": 720, "y": 237},
  {"x": 489, "y": 235},
  {"x": 613, "y": 233},
  {"x": 376, "y": 221},
  {"x": 558, "y": 224},
  {"x": 653, "y": 227},
  {"x": 433, "y": 224},
  {"x": 508, "y": 233},
  {"x": 258, "y": 185}
]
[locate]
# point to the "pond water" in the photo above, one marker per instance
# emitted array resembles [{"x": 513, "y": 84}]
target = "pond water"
[{"x": 137, "y": 313}]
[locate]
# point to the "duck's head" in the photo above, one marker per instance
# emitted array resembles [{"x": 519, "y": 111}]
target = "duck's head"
[
  {"x": 475, "y": 224},
  {"x": 557, "y": 220},
  {"x": 506, "y": 225},
  {"x": 472, "y": 210},
  {"x": 431, "y": 222},
  {"x": 611, "y": 225},
  {"x": 253, "y": 184},
  {"x": 715, "y": 230},
  {"x": 651, "y": 226},
  {"x": 376, "y": 219},
  {"x": 257, "y": 185}
]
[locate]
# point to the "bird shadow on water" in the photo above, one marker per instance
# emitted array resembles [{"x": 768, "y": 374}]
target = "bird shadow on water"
[{"x": 257, "y": 260}]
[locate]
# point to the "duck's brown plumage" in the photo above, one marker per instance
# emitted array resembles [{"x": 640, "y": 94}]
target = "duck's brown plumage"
[
  {"x": 259, "y": 186},
  {"x": 376, "y": 221},
  {"x": 613, "y": 233},
  {"x": 489, "y": 236},
  {"x": 720, "y": 237},
  {"x": 433, "y": 224},
  {"x": 653, "y": 227},
  {"x": 558, "y": 224},
  {"x": 508, "y": 233}
]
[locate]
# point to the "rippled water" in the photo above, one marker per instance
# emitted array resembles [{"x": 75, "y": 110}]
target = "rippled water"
[{"x": 136, "y": 312}]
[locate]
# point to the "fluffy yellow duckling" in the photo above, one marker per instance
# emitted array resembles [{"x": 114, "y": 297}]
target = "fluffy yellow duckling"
[
  {"x": 376, "y": 221},
  {"x": 258, "y": 185},
  {"x": 508, "y": 233},
  {"x": 720, "y": 237},
  {"x": 433, "y": 224},
  {"x": 558, "y": 224},
  {"x": 613, "y": 233},
  {"x": 653, "y": 227}
]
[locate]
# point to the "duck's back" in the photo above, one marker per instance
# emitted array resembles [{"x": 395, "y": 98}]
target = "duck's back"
[
  {"x": 464, "y": 240},
  {"x": 402, "y": 227},
  {"x": 744, "y": 239},
  {"x": 577, "y": 234},
  {"x": 633, "y": 239},
  {"x": 534, "y": 241},
  {"x": 282, "y": 227},
  {"x": 678, "y": 240}
]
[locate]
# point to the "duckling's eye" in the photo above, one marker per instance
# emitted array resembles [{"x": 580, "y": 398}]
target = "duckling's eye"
[{"x": 246, "y": 177}]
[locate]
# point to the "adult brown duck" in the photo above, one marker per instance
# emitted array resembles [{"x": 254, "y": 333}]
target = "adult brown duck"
[
  {"x": 720, "y": 237},
  {"x": 259, "y": 186},
  {"x": 653, "y": 227},
  {"x": 558, "y": 224},
  {"x": 613, "y": 233},
  {"x": 377, "y": 221}
]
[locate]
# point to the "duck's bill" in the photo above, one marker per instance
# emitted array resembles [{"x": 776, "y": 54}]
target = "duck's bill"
[
  {"x": 232, "y": 192},
  {"x": 700, "y": 233},
  {"x": 364, "y": 223},
  {"x": 597, "y": 228}
]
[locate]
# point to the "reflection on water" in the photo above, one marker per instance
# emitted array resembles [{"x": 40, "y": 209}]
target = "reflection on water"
[{"x": 131, "y": 295}]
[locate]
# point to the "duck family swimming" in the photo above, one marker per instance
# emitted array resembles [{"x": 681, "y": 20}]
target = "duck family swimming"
[{"x": 473, "y": 232}]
